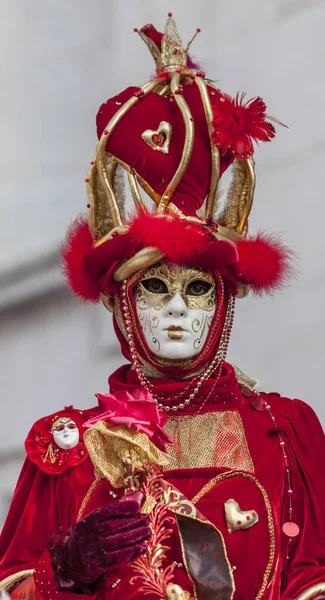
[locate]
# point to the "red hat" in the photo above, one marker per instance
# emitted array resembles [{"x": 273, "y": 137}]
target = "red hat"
[{"x": 173, "y": 137}]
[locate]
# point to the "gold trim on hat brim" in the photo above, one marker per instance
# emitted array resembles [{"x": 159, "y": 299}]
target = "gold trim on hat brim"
[
  {"x": 311, "y": 592},
  {"x": 211, "y": 201},
  {"x": 9, "y": 581},
  {"x": 141, "y": 260}
]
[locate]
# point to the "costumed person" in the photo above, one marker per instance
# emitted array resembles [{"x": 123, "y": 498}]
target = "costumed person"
[{"x": 184, "y": 482}]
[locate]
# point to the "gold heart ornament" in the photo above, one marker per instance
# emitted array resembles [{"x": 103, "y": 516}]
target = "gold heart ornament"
[
  {"x": 237, "y": 518},
  {"x": 159, "y": 139}
]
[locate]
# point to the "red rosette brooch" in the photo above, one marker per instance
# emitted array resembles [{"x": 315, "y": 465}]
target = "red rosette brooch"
[{"x": 126, "y": 436}]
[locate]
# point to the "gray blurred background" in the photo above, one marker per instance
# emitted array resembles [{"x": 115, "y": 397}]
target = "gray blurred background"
[{"x": 60, "y": 60}]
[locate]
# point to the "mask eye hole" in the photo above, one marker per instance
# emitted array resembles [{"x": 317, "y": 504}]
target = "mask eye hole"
[
  {"x": 59, "y": 427},
  {"x": 155, "y": 285},
  {"x": 198, "y": 287},
  {"x": 71, "y": 425}
]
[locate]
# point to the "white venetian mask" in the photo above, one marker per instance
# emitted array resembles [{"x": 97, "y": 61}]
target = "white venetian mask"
[
  {"x": 65, "y": 433},
  {"x": 175, "y": 307}
]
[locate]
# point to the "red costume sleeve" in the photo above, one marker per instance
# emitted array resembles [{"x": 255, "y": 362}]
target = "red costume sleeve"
[
  {"x": 33, "y": 515},
  {"x": 306, "y": 567}
]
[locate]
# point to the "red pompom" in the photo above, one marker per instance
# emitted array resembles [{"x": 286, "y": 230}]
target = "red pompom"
[
  {"x": 178, "y": 239},
  {"x": 264, "y": 263},
  {"x": 77, "y": 244},
  {"x": 237, "y": 124}
]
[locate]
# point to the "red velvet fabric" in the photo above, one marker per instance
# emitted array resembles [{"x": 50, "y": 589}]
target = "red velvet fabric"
[
  {"x": 43, "y": 502},
  {"x": 126, "y": 143}
]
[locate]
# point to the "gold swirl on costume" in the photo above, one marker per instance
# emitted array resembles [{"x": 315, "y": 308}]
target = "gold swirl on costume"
[{"x": 110, "y": 448}]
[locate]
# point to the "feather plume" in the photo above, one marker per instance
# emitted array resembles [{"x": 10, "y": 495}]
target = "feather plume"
[
  {"x": 265, "y": 263},
  {"x": 237, "y": 123},
  {"x": 77, "y": 244},
  {"x": 175, "y": 237}
]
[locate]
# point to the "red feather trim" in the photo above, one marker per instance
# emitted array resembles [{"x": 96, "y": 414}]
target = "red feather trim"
[
  {"x": 176, "y": 238},
  {"x": 265, "y": 263},
  {"x": 77, "y": 244},
  {"x": 237, "y": 124}
]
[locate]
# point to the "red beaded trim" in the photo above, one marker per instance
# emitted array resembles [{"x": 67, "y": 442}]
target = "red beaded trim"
[{"x": 289, "y": 528}]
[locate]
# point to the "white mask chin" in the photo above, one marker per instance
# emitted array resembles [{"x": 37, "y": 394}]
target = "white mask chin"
[
  {"x": 65, "y": 433},
  {"x": 175, "y": 307}
]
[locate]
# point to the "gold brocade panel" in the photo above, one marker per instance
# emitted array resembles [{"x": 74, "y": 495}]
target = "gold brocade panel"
[{"x": 214, "y": 439}]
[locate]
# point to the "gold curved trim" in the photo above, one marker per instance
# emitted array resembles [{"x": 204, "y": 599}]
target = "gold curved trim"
[
  {"x": 148, "y": 189},
  {"x": 226, "y": 233},
  {"x": 242, "y": 291},
  {"x": 133, "y": 183},
  {"x": 247, "y": 196},
  {"x": 88, "y": 494},
  {"x": 141, "y": 260},
  {"x": 163, "y": 91},
  {"x": 90, "y": 196},
  {"x": 145, "y": 186},
  {"x": 229, "y": 475},
  {"x": 211, "y": 201},
  {"x": 310, "y": 592},
  {"x": 119, "y": 230},
  {"x": 188, "y": 144},
  {"x": 147, "y": 88},
  {"x": 97, "y": 196},
  {"x": 108, "y": 302},
  {"x": 106, "y": 179},
  {"x": 6, "y": 583}
]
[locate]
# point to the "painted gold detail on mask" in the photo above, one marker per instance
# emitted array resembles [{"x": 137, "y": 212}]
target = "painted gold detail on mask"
[
  {"x": 65, "y": 433},
  {"x": 63, "y": 422},
  {"x": 177, "y": 280},
  {"x": 175, "y": 307},
  {"x": 190, "y": 365},
  {"x": 175, "y": 333},
  {"x": 158, "y": 139}
]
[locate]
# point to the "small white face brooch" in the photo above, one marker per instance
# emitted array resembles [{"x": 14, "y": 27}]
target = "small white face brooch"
[{"x": 65, "y": 433}]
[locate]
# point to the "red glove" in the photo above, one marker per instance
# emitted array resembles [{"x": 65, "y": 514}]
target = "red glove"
[{"x": 106, "y": 537}]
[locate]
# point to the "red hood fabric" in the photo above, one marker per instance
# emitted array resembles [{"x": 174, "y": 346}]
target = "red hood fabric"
[{"x": 226, "y": 393}]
